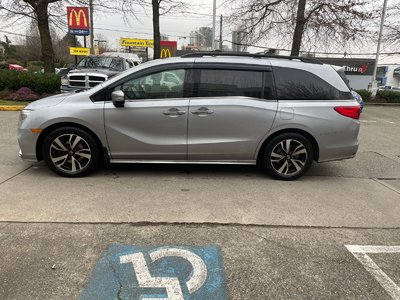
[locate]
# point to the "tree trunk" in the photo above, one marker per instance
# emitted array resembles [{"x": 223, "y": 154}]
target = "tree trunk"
[
  {"x": 299, "y": 29},
  {"x": 45, "y": 37},
  {"x": 156, "y": 28}
]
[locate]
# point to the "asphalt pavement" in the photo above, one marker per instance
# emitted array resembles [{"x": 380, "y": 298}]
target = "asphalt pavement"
[{"x": 271, "y": 239}]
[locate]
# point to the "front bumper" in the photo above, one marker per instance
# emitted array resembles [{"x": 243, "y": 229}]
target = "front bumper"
[{"x": 27, "y": 143}]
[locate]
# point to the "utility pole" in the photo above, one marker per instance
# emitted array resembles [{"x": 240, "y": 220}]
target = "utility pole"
[
  {"x": 220, "y": 34},
  {"x": 374, "y": 82},
  {"x": 214, "y": 20},
  {"x": 91, "y": 27}
]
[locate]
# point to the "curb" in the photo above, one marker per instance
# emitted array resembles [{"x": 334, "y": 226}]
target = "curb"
[
  {"x": 11, "y": 107},
  {"x": 382, "y": 104}
]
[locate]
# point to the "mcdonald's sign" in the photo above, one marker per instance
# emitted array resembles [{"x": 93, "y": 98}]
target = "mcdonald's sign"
[
  {"x": 165, "y": 53},
  {"x": 78, "y": 20}
]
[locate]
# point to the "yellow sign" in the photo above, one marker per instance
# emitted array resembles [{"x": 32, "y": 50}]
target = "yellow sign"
[
  {"x": 165, "y": 53},
  {"x": 79, "y": 51},
  {"x": 136, "y": 43}
]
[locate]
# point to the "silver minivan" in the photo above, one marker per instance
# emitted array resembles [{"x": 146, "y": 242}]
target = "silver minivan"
[{"x": 281, "y": 113}]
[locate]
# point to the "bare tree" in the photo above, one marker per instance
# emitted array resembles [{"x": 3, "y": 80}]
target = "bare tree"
[
  {"x": 46, "y": 12},
  {"x": 340, "y": 20},
  {"x": 392, "y": 24},
  {"x": 163, "y": 7}
]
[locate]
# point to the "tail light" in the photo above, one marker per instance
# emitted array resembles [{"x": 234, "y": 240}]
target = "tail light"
[{"x": 349, "y": 111}]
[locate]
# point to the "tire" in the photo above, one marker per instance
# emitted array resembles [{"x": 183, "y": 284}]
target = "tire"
[
  {"x": 70, "y": 152},
  {"x": 287, "y": 156}
]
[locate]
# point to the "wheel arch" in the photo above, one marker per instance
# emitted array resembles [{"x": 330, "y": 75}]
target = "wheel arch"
[
  {"x": 306, "y": 134},
  {"x": 39, "y": 144}
]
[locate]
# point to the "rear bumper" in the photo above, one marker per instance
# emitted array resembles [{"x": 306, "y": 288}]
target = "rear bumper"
[{"x": 338, "y": 153}]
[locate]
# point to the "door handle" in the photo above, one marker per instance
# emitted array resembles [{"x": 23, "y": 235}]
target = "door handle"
[
  {"x": 202, "y": 111},
  {"x": 174, "y": 112}
]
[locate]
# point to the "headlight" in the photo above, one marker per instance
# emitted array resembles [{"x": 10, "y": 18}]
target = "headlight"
[
  {"x": 25, "y": 113},
  {"x": 64, "y": 81}
]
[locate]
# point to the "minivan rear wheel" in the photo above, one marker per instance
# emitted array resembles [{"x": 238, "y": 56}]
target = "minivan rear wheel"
[
  {"x": 287, "y": 156},
  {"x": 70, "y": 152}
]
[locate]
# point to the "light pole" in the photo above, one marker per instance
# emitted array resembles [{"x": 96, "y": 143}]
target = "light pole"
[
  {"x": 91, "y": 27},
  {"x": 214, "y": 20},
  {"x": 374, "y": 82}
]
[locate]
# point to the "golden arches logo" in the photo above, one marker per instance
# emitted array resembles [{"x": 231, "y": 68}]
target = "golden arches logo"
[
  {"x": 165, "y": 53},
  {"x": 78, "y": 17}
]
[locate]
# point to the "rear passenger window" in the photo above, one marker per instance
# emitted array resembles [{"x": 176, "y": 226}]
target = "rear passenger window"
[
  {"x": 295, "y": 84},
  {"x": 217, "y": 83}
]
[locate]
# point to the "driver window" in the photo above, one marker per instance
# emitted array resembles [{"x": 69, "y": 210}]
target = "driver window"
[{"x": 161, "y": 85}]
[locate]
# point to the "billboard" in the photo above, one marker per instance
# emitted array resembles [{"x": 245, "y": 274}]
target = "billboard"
[
  {"x": 78, "y": 20},
  {"x": 136, "y": 43}
]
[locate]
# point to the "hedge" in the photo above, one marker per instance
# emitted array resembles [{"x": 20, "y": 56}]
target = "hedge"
[
  {"x": 387, "y": 96},
  {"x": 45, "y": 83}
]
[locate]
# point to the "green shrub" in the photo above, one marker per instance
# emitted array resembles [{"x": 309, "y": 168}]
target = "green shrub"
[
  {"x": 45, "y": 83},
  {"x": 389, "y": 96},
  {"x": 365, "y": 94}
]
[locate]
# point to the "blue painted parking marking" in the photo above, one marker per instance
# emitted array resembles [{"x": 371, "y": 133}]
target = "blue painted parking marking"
[{"x": 157, "y": 273}]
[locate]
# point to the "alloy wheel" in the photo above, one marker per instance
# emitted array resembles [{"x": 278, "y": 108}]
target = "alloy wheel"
[
  {"x": 288, "y": 157},
  {"x": 70, "y": 153}
]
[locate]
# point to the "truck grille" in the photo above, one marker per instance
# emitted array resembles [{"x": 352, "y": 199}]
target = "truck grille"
[{"x": 86, "y": 81}]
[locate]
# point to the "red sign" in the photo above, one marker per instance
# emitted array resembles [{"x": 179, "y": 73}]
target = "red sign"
[
  {"x": 168, "y": 48},
  {"x": 78, "y": 20}
]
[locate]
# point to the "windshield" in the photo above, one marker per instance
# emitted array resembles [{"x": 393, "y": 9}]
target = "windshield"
[{"x": 112, "y": 63}]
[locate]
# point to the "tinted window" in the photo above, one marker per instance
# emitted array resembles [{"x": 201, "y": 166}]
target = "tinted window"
[
  {"x": 269, "y": 89},
  {"x": 295, "y": 84},
  {"x": 167, "y": 84},
  {"x": 217, "y": 83}
]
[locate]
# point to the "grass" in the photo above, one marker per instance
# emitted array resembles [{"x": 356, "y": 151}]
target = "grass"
[{"x": 13, "y": 103}]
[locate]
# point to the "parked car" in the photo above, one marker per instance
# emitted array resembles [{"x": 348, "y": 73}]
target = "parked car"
[
  {"x": 92, "y": 70},
  {"x": 282, "y": 113},
  {"x": 359, "y": 99}
]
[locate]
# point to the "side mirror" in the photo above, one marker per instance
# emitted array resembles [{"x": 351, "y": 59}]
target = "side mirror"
[{"x": 118, "y": 98}]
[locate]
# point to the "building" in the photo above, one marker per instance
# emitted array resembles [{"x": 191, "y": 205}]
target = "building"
[
  {"x": 239, "y": 40},
  {"x": 201, "y": 39},
  {"x": 388, "y": 72},
  {"x": 359, "y": 71}
]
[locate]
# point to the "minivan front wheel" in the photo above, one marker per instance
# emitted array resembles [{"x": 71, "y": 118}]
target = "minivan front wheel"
[
  {"x": 70, "y": 152},
  {"x": 287, "y": 156}
]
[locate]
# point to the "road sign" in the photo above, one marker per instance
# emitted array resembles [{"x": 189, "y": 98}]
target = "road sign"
[
  {"x": 167, "y": 272},
  {"x": 125, "y": 42},
  {"x": 79, "y": 51},
  {"x": 78, "y": 20}
]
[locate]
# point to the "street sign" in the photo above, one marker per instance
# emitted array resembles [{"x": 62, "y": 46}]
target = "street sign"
[
  {"x": 125, "y": 42},
  {"x": 78, "y": 20},
  {"x": 158, "y": 272},
  {"x": 79, "y": 51}
]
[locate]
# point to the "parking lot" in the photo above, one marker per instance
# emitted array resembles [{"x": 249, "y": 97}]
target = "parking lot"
[{"x": 276, "y": 240}]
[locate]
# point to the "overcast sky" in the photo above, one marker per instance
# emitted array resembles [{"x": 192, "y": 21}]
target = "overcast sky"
[{"x": 179, "y": 26}]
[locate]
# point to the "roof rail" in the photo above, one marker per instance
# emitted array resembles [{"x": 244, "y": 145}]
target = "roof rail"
[{"x": 245, "y": 54}]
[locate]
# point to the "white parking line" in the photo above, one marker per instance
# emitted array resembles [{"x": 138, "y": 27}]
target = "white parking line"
[{"x": 360, "y": 252}]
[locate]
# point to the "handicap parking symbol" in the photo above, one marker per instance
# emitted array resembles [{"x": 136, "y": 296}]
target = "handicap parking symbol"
[{"x": 157, "y": 273}]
